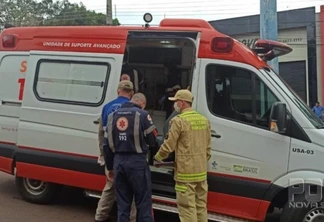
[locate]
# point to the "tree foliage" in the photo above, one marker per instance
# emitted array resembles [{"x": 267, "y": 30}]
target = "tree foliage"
[
  {"x": 115, "y": 22},
  {"x": 49, "y": 13}
]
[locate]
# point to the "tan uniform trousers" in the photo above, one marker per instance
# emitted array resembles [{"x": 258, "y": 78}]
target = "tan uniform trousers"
[
  {"x": 192, "y": 201},
  {"x": 107, "y": 201}
]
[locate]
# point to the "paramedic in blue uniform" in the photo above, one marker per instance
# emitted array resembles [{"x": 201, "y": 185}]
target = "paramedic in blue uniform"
[
  {"x": 125, "y": 91},
  {"x": 130, "y": 133}
]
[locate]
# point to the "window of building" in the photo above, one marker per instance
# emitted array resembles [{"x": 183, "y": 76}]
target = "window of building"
[
  {"x": 72, "y": 82},
  {"x": 238, "y": 94}
]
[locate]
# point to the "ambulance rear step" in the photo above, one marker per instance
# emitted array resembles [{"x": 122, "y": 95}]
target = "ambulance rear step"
[{"x": 173, "y": 209}]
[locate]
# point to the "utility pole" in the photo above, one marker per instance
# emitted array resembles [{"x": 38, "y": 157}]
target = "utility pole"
[
  {"x": 268, "y": 30},
  {"x": 115, "y": 11},
  {"x": 269, "y": 26},
  {"x": 109, "y": 12}
]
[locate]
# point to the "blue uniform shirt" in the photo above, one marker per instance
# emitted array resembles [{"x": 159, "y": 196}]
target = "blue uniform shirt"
[
  {"x": 112, "y": 107},
  {"x": 129, "y": 131},
  {"x": 318, "y": 111}
]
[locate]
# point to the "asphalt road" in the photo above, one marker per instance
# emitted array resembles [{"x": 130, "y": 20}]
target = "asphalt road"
[{"x": 70, "y": 206}]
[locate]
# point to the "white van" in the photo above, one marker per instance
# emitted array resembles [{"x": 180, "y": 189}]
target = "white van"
[{"x": 54, "y": 82}]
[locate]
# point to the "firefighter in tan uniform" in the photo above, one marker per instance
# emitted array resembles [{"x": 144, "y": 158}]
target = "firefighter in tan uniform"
[{"x": 190, "y": 137}]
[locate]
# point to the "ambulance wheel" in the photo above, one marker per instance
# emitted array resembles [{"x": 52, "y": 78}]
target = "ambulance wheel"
[
  {"x": 37, "y": 191},
  {"x": 302, "y": 211}
]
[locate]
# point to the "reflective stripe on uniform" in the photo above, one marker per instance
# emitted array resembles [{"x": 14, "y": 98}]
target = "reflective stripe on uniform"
[
  {"x": 192, "y": 176},
  {"x": 136, "y": 133},
  {"x": 149, "y": 130},
  {"x": 196, "y": 120},
  {"x": 110, "y": 137},
  {"x": 158, "y": 157},
  {"x": 180, "y": 188},
  {"x": 187, "y": 113}
]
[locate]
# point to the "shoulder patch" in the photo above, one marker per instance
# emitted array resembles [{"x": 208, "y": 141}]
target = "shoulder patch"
[
  {"x": 171, "y": 121},
  {"x": 149, "y": 118},
  {"x": 115, "y": 107},
  {"x": 122, "y": 123}
]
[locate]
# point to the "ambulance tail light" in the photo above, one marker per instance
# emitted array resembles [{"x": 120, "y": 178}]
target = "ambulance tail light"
[
  {"x": 222, "y": 44},
  {"x": 269, "y": 49},
  {"x": 8, "y": 41}
]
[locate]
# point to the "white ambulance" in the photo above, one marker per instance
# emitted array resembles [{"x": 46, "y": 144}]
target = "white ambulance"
[{"x": 54, "y": 82}]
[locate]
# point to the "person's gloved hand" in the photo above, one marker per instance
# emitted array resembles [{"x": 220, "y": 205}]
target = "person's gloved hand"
[{"x": 157, "y": 163}]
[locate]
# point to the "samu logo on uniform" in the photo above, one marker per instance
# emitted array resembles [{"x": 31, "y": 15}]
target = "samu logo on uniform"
[{"x": 122, "y": 123}]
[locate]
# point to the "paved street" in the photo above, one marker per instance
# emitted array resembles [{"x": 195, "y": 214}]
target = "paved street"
[{"x": 70, "y": 206}]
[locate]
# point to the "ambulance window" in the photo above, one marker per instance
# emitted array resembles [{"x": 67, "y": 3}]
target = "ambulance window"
[
  {"x": 264, "y": 101},
  {"x": 231, "y": 95},
  {"x": 71, "y": 82}
]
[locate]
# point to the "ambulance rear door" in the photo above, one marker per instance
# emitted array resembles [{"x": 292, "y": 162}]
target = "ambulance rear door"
[
  {"x": 162, "y": 176},
  {"x": 13, "y": 67}
]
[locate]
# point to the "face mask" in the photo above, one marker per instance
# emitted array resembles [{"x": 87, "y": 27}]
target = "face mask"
[{"x": 176, "y": 107}]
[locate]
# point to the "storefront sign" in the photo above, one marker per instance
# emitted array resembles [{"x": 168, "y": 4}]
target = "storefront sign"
[{"x": 250, "y": 42}]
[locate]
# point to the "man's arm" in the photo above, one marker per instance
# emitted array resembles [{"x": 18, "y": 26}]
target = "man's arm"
[
  {"x": 170, "y": 141},
  {"x": 101, "y": 139},
  {"x": 109, "y": 157},
  {"x": 101, "y": 135},
  {"x": 149, "y": 130}
]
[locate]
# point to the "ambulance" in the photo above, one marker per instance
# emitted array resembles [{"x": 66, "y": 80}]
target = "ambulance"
[{"x": 267, "y": 145}]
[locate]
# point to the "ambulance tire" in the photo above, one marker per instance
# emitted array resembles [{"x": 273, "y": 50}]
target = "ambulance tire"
[
  {"x": 37, "y": 192},
  {"x": 303, "y": 213}
]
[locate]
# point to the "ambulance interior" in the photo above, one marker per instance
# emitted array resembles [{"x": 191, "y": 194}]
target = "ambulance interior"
[{"x": 149, "y": 57}]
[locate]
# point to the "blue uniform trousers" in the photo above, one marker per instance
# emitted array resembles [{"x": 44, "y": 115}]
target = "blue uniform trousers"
[{"x": 132, "y": 176}]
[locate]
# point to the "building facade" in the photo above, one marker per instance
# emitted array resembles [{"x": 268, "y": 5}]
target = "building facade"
[{"x": 299, "y": 29}]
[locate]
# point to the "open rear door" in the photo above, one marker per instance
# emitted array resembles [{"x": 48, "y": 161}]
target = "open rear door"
[{"x": 159, "y": 46}]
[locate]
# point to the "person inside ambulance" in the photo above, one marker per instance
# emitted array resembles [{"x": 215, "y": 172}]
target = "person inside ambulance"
[
  {"x": 166, "y": 128},
  {"x": 131, "y": 74},
  {"x": 173, "y": 84}
]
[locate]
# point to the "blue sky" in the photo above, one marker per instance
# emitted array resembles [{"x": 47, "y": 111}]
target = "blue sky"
[{"x": 129, "y": 12}]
